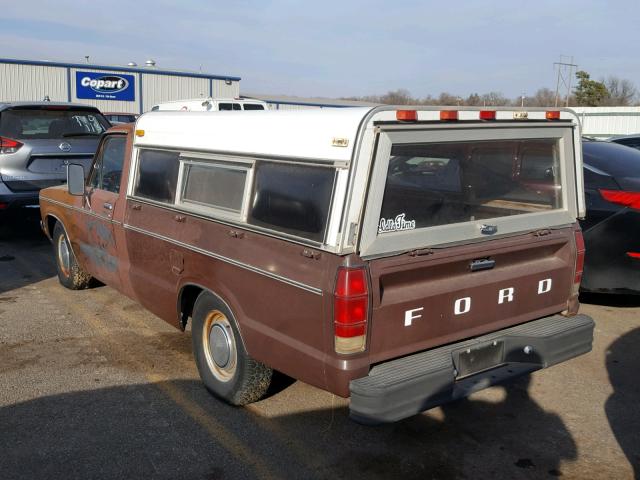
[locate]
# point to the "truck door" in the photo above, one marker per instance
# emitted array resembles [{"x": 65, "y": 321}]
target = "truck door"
[{"x": 99, "y": 247}]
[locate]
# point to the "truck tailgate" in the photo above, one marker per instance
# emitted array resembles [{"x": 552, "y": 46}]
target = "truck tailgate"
[{"x": 426, "y": 298}]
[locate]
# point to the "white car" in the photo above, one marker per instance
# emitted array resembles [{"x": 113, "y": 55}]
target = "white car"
[{"x": 211, "y": 105}]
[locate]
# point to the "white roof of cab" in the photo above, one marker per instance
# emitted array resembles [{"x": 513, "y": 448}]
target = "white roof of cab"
[{"x": 304, "y": 134}]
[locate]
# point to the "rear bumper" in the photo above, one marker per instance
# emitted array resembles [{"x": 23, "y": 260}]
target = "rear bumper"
[
  {"x": 17, "y": 199},
  {"x": 404, "y": 387}
]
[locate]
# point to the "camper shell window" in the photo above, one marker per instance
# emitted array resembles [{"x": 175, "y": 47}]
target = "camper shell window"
[
  {"x": 157, "y": 175},
  {"x": 288, "y": 197},
  {"x": 434, "y": 187},
  {"x": 291, "y": 198},
  {"x": 214, "y": 185}
]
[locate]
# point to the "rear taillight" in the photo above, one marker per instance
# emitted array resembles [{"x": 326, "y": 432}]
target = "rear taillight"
[
  {"x": 351, "y": 310},
  {"x": 580, "y": 250},
  {"x": 627, "y": 199},
  {"x": 8, "y": 145}
]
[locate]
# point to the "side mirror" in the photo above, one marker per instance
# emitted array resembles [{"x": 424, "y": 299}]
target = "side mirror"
[{"x": 75, "y": 179}]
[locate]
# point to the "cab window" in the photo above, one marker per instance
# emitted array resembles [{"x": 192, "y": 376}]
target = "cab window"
[{"x": 107, "y": 169}]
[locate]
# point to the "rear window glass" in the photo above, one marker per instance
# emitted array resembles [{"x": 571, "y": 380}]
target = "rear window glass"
[
  {"x": 293, "y": 199},
  {"x": 229, "y": 106},
  {"x": 50, "y": 124},
  {"x": 611, "y": 158},
  {"x": 157, "y": 175},
  {"x": 215, "y": 186},
  {"x": 443, "y": 183}
]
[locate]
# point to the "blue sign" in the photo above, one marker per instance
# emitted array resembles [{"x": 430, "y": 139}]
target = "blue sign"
[{"x": 105, "y": 86}]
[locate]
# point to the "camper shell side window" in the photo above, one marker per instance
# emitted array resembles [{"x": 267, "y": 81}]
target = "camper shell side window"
[{"x": 292, "y": 199}]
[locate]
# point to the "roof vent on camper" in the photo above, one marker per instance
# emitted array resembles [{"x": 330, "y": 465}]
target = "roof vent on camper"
[{"x": 150, "y": 63}]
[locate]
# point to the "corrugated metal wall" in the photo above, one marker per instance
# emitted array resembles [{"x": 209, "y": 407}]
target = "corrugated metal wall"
[
  {"x": 108, "y": 105},
  {"x": 220, "y": 89},
  {"x": 24, "y": 82},
  {"x": 605, "y": 122},
  {"x": 32, "y": 82},
  {"x": 289, "y": 106}
]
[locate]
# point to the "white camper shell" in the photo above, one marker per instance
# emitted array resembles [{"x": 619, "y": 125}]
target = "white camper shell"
[{"x": 398, "y": 178}]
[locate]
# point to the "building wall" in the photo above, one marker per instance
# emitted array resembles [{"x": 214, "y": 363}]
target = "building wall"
[
  {"x": 32, "y": 82},
  {"x": 290, "y": 106},
  {"x": 220, "y": 89},
  {"x": 603, "y": 122}
]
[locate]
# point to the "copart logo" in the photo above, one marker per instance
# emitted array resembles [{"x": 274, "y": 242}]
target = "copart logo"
[{"x": 105, "y": 84}]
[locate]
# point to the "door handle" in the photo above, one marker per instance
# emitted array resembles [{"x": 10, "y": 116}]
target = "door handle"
[{"x": 107, "y": 205}]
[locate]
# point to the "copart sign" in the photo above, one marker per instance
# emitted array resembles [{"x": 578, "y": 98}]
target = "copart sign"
[{"x": 105, "y": 86}]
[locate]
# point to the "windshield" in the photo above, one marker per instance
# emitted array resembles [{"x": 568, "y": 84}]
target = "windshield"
[{"x": 50, "y": 123}]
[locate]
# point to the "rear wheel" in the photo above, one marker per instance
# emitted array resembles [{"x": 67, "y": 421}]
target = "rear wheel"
[
  {"x": 70, "y": 274},
  {"x": 224, "y": 365}
]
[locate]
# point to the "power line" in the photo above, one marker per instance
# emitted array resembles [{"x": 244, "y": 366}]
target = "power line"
[{"x": 565, "y": 74}]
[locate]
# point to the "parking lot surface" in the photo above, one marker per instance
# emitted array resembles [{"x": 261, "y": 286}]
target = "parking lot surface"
[{"x": 93, "y": 386}]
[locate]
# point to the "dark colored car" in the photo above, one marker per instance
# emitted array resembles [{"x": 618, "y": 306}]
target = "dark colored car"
[
  {"x": 612, "y": 226},
  {"x": 116, "y": 118},
  {"x": 38, "y": 140},
  {"x": 632, "y": 141}
]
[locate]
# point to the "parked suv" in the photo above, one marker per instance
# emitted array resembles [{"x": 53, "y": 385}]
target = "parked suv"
[{"x": 38, "y": 140}]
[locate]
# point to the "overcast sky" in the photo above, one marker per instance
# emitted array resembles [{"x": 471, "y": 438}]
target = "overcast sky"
[{"x": 338, "y": 48}]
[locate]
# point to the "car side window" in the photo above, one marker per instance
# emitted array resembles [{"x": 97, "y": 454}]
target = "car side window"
[{"x": 107, "y": 169}]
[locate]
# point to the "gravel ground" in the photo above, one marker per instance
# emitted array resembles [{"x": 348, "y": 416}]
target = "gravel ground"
[{"x": 93, "y": 386}]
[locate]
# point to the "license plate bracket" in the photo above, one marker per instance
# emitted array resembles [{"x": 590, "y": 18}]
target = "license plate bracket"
[{"x": 479, "y": 358}]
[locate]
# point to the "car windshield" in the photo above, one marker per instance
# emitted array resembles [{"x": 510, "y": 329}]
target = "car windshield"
[
  {"x": 48, "y": 123},
  {"x": 611, "y": 158}
]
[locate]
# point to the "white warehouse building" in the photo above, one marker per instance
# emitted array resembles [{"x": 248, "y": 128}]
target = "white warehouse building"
[{"x": 129, "y": 89}]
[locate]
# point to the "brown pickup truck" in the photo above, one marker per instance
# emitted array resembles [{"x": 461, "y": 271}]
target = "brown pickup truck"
[{"x": 404, "y": 258}]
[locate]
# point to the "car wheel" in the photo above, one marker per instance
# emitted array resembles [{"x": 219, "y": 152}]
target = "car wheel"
[
  {"x": 70, "y": 273},
  {"x": 224, "y": 365}
]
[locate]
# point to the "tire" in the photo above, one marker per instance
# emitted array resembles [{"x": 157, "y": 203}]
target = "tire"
[
  {"x": 70, "y": 273},
  {"x": 224, "y": 365}
]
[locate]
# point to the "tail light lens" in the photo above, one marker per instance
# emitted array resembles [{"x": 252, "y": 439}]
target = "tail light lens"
[
  {"x": 8, "y": 145},
  {"x": 487, "y": 114},
  {"x": 351, "y": 310},
  {"x": 448, "y": 115},
  {"x": 580, "y": 251},
  {"x": 407, "y": 115},
  {"x": 627, "y": 199}
]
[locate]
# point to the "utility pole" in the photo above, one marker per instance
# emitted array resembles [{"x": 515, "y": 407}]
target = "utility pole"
[{"x": 565, "y": 74}]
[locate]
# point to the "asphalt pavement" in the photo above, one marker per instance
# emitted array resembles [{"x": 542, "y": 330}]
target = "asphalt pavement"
[{"x": 94, "y": 386}]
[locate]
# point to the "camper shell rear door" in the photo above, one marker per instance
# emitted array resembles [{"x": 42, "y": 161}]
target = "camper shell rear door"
[{"x": 468, "y": 229}]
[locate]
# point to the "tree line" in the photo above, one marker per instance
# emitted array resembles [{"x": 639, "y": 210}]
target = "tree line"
[{"x": 611, "y": 91}]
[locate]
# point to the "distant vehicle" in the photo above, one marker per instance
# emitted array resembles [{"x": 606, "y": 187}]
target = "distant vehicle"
[
  {"x": 211, "y": 105},
  {"x": 611, "y": 228},
  {"x": 38, "y": 140},
  {"x": 632, "y": 141},
  {"x": 116, "y": 118}
]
